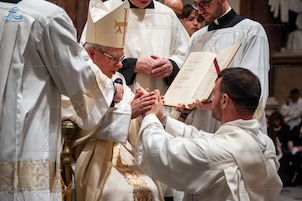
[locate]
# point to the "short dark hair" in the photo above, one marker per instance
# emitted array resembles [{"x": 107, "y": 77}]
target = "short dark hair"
[
  {"x": 242, "y": 86},
  {"x": 186, "y": 11},
  {"x": 276, "y": 116},
  {"x": 294, "y": 91}
]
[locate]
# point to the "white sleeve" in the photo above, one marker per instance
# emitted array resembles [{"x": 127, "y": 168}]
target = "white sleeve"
[
  {"x": 180, "y": 43},
  {"x": 284, "y": 110},
  {"x": 180, "y": 129},
  {"x": 73, "y": 72},
  {"x": 257, "y": 46},
  {"x": 178, "y": 162},
  {"x": 113, "y": 126},
  {"x": 290, "y": 114}
]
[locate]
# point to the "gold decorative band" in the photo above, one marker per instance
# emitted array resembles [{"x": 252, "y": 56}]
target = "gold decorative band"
[{"x": 29, "y": 175}]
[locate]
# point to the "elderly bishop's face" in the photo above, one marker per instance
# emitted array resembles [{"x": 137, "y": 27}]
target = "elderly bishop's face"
[
  {"x": 109, "y": 61},
  {"x": 141, "y": 3}
]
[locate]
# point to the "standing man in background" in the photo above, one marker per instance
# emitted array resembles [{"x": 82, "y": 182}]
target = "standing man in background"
[
  {"x": 225, "y": 29},
  {"x": 155, "y": 45}
]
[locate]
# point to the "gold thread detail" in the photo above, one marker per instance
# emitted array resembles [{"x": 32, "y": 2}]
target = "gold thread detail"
[
  {"x": 142, "y": 195},
  {"x": 29, "y": 175}
]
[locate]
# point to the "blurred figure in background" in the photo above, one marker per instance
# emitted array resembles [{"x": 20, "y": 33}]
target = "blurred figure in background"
[
  {"x": 191, "y": 20},
  {"x": 292, "y": 109},
  {"x": 294, "y": 41},
  {"x": 175, "y": 5},
  {"x": 295, "y": 148},
  {"x": 281, "y": 131},
  {"x": 277, "y": 125},
  {"x": 273, "y": 135}
]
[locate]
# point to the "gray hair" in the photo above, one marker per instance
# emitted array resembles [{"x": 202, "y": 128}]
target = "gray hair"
[{"x": 95, "y": 46}]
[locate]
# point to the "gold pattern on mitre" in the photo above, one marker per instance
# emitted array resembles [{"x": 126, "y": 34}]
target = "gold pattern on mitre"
[{"x": 106, "y": 27}]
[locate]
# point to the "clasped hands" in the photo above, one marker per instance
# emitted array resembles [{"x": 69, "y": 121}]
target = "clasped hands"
[
  {"x": 154, "y": 66},
  {"x": 157, "y": 108},
  {"x": 146, "y": 102}
]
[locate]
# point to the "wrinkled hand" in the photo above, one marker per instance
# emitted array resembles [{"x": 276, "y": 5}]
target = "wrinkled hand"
[
  {"x": 142, "y": 102},
  {"x": 145, "y": 66},
  {"x": 162, "y": 67},
  {"x": 203, "y": 105},
  {"x": 158, "y": 107},
  {"x": 119, "y": 93}
]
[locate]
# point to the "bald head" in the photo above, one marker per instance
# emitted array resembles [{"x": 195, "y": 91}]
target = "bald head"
[{"x": 175, "y": 5}]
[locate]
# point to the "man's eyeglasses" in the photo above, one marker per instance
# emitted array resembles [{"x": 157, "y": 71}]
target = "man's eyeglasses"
[
  {"x": 202, "y": 4},
  {"x": 114, "y": 59}
]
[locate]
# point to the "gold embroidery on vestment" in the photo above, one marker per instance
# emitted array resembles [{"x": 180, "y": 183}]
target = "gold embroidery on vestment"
[
  {"x": 123, "y": 24},
  {"x": 29, "y": 175},
  {"x": 142, "y": 195},
  {"x": 130, "y": 176},
  {"x": 133, "y": 179}
]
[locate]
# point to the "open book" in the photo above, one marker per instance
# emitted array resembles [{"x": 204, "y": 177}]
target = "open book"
[{"x": 196, "y": 78}]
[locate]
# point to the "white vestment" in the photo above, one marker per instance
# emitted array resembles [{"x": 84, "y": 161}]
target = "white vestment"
[
  {"x": 238, "y": 162},
  {"x": 158, "y": 32},
  {"x": 292, "y": 113},
  {"x": 44, "y": 62},
  {"x": 105, "y": 165},
  {"x": 253, "y": 55}
]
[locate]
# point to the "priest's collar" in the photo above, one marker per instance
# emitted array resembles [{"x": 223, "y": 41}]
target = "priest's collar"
[
  {"x": 228, "y": 19},
  {"x": 150, "y": 6},
  {"x": 216, "y": 20},
  {"x": 11, "y": 1}
]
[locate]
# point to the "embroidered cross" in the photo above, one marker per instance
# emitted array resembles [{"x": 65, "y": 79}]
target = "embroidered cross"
[
  {"x": 37, "y": 175},
  {"x": 123, "y": 24}
]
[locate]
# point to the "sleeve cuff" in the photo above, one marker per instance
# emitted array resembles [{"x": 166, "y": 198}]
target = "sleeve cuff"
[
  {"x": 128, "y": 70},
  {"x": 170, "y": 78}
]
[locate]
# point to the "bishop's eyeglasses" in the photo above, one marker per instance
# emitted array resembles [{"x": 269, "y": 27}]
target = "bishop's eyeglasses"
[
  {"x": 113, "y": 58},
  {"x": 202, "y": 4}
]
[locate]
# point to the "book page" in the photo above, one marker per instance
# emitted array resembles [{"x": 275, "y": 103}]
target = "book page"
[
  {"x": 188, "y": 78},
  {"x": 207, "y": 85},
  {"x": 196, "y": 78},
  {"x": 225, "y": 56}
]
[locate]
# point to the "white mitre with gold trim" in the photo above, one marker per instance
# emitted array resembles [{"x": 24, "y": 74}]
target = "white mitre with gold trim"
[{"x": 105, "y": 26}]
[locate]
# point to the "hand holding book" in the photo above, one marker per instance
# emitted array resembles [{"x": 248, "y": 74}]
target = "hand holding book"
[{"x": 196, "y": 78}]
